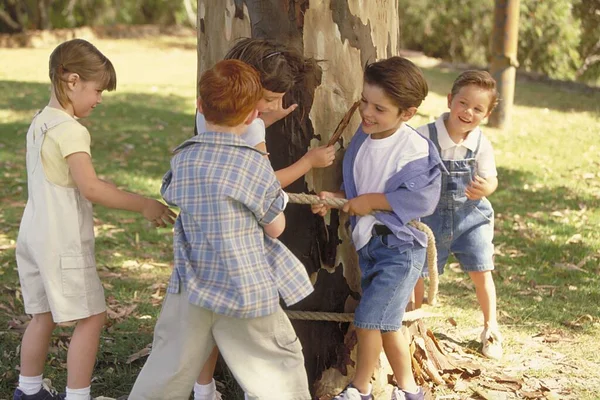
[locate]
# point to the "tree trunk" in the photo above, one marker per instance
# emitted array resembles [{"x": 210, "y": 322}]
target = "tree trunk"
[
  {"x": 342, "y": 35},
  {"x": 44, "y": 22}
]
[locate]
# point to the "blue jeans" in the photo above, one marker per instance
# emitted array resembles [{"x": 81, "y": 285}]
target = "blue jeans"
[{"x": 388, "y": 277}]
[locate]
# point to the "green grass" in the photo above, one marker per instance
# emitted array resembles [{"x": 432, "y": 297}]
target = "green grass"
[{"x": 547, "y": 216}]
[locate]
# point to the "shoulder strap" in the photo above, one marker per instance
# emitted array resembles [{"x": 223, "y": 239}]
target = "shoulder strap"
[{"x": 433, "y": 136}]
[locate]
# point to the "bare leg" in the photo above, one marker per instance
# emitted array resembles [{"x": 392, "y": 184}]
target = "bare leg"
[
  {"x": 206, "y": 375},
  {"x": 81, "y": 356},
  {"x": 486, "y": 296},
  {"x": 369, "y": 349},
  {"x": 419, "y": 293},
  {"x": 397, "y": 351},
  {"x": 35, "y": 343}
]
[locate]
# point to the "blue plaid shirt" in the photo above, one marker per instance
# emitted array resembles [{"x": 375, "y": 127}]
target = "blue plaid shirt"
[{"x": 227, "y": 191}]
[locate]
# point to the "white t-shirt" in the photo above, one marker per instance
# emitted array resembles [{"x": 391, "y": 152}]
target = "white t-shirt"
[
  {"x": 376, "y": 162},
  {"x": 254, "y": 135},
  {"x": 485, "y": 161}
]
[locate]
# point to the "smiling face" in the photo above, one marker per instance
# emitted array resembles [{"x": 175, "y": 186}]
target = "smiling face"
[
  {"x": 380, "y": 116},
  {"x": 467, "y": 109},
  {"x": 84, "y": 96}
]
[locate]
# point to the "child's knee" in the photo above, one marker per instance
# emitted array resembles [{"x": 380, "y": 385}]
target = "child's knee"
[
  {"x": 96, "y": 320},
  {"x": 44, "y": 320},
  {"x": 481, "y": 278}
]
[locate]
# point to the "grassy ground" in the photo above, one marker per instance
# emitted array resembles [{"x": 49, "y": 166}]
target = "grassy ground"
[{"x": 547, "y": 205}]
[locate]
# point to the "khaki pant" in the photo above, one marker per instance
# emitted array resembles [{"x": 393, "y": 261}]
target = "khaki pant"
[{"x": 264, "y": 354}]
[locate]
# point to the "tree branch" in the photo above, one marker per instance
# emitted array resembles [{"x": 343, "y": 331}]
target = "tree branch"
[{"x": 11, "y": 23}]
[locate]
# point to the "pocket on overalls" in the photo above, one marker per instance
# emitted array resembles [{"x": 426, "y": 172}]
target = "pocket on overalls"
[
  {"x": 484, "y": 209},
  {"x": 79, "y": 275}
]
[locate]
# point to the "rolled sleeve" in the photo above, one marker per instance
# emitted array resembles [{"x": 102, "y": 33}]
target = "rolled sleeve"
[{"x": 274, "y": 208}]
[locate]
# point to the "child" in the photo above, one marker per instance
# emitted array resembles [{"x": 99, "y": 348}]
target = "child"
[
  {"x": 463, "y": 222},
  {"x": 388, "y": 166},
  {"x": 229, "y": 271},
  {"x": 55, "y": 247},
  {"x": 279, "y": 68}
]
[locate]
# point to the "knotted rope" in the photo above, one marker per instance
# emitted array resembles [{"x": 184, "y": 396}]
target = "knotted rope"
[{"x": 303, "y": 198}]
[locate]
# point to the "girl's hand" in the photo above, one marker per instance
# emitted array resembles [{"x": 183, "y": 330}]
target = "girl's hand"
[
  {"x": 158, "y": 213},
  {"x": 320, "y": 157},
  {"x": 359, "y": 205},
  {"x": 270, "y": 117},
  {"x": 322, "y": 209},
  {"x": 479, "y": 188}
]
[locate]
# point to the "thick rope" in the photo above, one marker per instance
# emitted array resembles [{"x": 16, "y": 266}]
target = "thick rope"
[
  {"x": 409, "y": 316},
  {"x": 303, "y": 198}
]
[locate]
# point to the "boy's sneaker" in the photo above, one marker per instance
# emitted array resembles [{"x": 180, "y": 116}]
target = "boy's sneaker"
[
  {"x": 491, "y": 339},
  {"x": 45, "y": 393},
  {"x": 352, "y": 393},
  {"x": 399, "y": 394}
]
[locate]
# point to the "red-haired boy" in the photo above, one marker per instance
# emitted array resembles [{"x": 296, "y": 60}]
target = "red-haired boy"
[{"x": 229, "y": 269}]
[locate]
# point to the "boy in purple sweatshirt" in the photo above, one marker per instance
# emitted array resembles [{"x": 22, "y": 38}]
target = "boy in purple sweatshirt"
[{"x": 391, "y": 168}]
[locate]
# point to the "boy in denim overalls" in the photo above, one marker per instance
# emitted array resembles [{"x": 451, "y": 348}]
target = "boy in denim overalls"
[{"x": 463, "y": 222}]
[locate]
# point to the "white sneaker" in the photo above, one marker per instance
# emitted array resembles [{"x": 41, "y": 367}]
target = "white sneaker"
[
  {"x": 352, "y": 393},
  {"x": 491, "y": 339},
  {"x": 399, "y": 394}
]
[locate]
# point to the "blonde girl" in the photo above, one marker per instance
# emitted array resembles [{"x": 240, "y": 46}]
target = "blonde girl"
[{"x": 55, "y": 246}]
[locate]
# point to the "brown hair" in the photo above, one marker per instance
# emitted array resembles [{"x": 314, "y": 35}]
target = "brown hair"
[
  {"x": 229, "y": 91},
  {"x": 401, "y": 80},
  {"x": 83, "y": 58},
  {"x": 481, "y": 79},
  {"x": 279, "y": 66}
]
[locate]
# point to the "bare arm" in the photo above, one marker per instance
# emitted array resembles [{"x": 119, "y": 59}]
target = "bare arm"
[
  {"x": 99, "y": 192},
  {"x": 319, "y": 157},
  {"x": 366, "y": 203},
  {"x": 276, "y": 228}
]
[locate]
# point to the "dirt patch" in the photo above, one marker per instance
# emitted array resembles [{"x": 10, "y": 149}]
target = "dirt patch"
[{"x": 45, "y": 38}]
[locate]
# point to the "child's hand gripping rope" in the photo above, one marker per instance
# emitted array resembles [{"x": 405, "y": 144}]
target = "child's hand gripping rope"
[{"x": 327, "y": 200}]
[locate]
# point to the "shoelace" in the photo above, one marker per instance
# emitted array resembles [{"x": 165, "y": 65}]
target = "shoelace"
[{"x": 49, "y": 388}]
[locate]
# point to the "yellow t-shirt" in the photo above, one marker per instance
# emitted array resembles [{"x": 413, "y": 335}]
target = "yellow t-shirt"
[{"x": 61, "y": 141}]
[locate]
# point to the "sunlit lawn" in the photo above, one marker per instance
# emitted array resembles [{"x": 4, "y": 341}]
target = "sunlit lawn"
[{"x": 547, "y": 205}]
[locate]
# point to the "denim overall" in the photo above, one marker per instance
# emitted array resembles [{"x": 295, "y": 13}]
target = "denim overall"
[{"x": 461, "y": 226}]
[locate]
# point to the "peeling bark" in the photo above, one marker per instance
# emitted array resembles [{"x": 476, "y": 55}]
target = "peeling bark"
[{"x": 342, "y": 35}]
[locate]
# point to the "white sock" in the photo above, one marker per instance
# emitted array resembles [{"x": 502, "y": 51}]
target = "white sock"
[
  {"x": 205, "y": 392},
  {"x": 368, "y": 392},
  {"x": 30, "y": 384},
  {"x": 415, "y": 392},
  {"x": 79, "y": 394}
]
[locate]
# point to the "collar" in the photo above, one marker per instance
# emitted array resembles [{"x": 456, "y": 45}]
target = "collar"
[
  {"x": 217, "y": 138},
  {"x": 444, "y": 138}
]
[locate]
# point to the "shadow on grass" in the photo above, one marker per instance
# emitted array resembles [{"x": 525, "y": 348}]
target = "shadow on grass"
[
  {"x": 546, "y": 275},
  {"x": 554, "y": 96},
  {"x": 130, "y": 131}
]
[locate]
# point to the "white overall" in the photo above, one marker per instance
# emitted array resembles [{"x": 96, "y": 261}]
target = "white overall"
[{"x": 55, "y": 246}]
